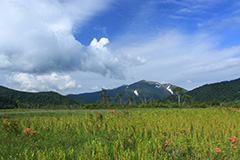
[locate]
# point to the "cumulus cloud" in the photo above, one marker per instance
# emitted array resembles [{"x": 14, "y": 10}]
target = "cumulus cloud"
[
  {"x": 38, "y": 37},
  {"x": 54, "y": 82}
]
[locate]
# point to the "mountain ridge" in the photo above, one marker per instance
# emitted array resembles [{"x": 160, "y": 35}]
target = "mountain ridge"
[
  {"x": 224, "y": 91},
  {"x": 140, "y": 89}
]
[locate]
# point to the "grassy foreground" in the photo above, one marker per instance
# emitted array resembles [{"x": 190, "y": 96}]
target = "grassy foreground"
[{"x": 120, "y": 134}]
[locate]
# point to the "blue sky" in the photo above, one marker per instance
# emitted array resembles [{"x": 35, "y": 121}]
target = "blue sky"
[{"x": 75, "y": 46}]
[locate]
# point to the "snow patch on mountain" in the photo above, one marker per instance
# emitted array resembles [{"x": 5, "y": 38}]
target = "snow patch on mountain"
[
  {"x": 158, "y": 85},
  {"x": 169, "y": 89},
  {"x": 136, "y": 92}
]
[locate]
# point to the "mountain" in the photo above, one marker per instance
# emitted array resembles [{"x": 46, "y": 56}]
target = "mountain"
[
  {"x": 10, "y": 96},
  {"x": 223, "y": 91},
  {"x": 142, "y": 89}
]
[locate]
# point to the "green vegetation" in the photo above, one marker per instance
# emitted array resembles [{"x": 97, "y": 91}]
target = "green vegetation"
[
  {"x": 15, "y": 99},
  {"x": 120, "y": 134},
  {"x": 224, "y": 92}
]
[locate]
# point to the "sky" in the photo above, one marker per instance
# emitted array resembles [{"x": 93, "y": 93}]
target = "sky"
[{"x": 77, "y": 46}]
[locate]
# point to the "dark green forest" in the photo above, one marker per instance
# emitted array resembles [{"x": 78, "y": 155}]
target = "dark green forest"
[{"x": 20, "y": 99}]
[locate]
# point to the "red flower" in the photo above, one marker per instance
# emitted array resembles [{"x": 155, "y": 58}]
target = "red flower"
[
  {"x": 6, "y": 120},
  {"x": 34, "y": 131},
  {"x": 28, "y": 129},
  {"x": 217, "y": 149},
  {"x": 166, "y": 142},
  {"x": 129, "y": 113},
  {"x": 25, "y": 130},
  {"x": 99, "y": 112},
  {"x": 233, "y": 139},
  {"x": 234, "y": 146}
]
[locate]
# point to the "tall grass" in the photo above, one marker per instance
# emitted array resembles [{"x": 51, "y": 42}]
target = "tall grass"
[{"x": 132, "y": 134}]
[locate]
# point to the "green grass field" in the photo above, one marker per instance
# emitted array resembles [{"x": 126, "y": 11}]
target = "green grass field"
[{"x": 124, "y": 134}]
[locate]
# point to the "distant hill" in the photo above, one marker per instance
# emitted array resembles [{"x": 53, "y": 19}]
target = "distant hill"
[
  {"x": 6, "y": 103},
  {"x": 142, "y": 89},
  {"x": 223, "y": 91},
  {"x": 12, "y": 96}
]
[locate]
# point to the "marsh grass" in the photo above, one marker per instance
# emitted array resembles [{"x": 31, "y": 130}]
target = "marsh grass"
[{"x": 142, "y": 134}]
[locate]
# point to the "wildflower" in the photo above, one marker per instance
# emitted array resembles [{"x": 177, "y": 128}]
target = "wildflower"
[
  {"x": 25, "y": 130},
  {"x": 99, "y": 112},
  {"x": 34, "y": 131},
  {"x": 166, "y": 142},
  {"x": 6, "y": 120},
  {"x": 234, "y": 146},
  {"x": 28, "y": 129},
  {"x": 129, "y": 113},
  {"x": 188, "y": 129},
  {"x": 233, "y": 139},
  {"x": 217, "y": 149}
]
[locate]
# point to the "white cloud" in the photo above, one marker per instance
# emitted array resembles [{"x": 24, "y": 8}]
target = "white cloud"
[
  {"x": 94, "y": 88},
  {"x": 175, "y": 57},
  {"x": 38, "y": 37},
  {"x": 99, "y": 44},
  {"x": 53, "y": 82}
]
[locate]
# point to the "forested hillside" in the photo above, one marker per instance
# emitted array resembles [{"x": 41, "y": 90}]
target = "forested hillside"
[
  {"x": 9, "y": 96},
  {"x": 223, "y": 91}
]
